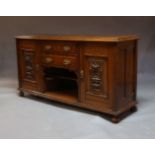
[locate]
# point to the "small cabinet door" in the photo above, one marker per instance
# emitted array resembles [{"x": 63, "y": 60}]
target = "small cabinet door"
[
  {"x": 97, "y": 82},
  {"x": 28, "y": 61}
]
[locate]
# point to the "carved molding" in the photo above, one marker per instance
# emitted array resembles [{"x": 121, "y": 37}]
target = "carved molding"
[
  {"x": 96, "y": 74},
  {"x": 97, "y": 68},
  {"x": 29, "y": 66}
]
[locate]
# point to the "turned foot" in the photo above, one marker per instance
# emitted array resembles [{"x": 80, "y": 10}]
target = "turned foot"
[
  {"x": 21, "y": 93},
  {"x": 133, "y": 109},
  {"x": 115, "y": 119}
]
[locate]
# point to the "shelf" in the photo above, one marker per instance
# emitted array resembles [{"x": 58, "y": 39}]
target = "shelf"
[
  {"x": 68, "y": 96},
  {"x": 62, "y": 77},
  {"x": 61, "y": 85}
]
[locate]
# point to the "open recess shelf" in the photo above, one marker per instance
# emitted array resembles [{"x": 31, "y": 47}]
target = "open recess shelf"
[{"x": 61, "y": 84}]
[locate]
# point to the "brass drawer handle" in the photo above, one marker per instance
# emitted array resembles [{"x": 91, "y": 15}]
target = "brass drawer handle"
[
  {"x": 81, "y": 74},
  {"x": 66, "y": 62},
  {"x": 67, "y": 48},
  {"x": 48, "y": 60},
  {"x": 47, "y": 47}
]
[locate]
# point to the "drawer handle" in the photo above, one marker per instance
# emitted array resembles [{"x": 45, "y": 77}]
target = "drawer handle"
[
  {"x": 67, "y": 48},
  {"x": 48, "y": 47},
  {"x": 67, "y": 62},
  {"x": 81, "y": 74},
  {"x": 48, "y": 60}
]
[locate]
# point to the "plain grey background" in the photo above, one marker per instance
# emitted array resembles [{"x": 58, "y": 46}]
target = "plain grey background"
[
  {"x": 32, "y": 117},
  {"x": 144, "y": 27}
]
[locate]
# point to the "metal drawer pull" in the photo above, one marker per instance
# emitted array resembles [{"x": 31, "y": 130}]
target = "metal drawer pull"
[
  {"x": 81, "y": 74},
  {"x": 48, "y": 47},
  {"x": 67, "y": 62},
  {"x": 67, "y": 48},
  {"x": 48, "y": 60}
]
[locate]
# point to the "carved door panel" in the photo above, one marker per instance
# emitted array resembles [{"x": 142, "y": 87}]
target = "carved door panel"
[
  {"x": 96, "y": 80},
  {"x": 29, "y": 66},
  {"x": 96, "y": 72}
]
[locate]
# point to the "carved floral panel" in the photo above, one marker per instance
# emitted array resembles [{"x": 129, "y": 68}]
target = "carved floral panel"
[
  {"x": 29, "y": 66},
  {"x": 97, "y": 76}
]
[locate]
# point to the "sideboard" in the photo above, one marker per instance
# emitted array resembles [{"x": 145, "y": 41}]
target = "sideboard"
[{"x": 93, "y": 72}]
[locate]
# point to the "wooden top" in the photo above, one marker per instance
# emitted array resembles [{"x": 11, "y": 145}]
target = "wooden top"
[{"x": 80, "y": 38}]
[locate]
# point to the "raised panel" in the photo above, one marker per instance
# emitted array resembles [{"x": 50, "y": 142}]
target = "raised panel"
[
  {"x": 29, "y": 65},
  {"x": 96, "y": 84},
  {"x": 29, "y": 76},
  {"x": 126, "y": 71}
]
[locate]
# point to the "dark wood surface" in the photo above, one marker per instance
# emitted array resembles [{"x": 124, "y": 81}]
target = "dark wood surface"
[
  {"x": 86, "y": 38},
  {"x": 92, "y": 72}
]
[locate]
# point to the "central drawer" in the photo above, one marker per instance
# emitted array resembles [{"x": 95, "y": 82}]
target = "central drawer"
[
  {"x": 60, "y": 47},
  {"x": 69, "y": 62}
]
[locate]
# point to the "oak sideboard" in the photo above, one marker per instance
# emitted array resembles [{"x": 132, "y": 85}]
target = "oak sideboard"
[{"x": 93, "y": 72}]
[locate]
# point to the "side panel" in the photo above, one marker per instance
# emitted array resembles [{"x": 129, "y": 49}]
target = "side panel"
[{"x": 127, "y": 75}]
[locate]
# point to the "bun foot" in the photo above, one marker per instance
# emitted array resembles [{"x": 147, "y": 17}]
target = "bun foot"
[
  {"x": 115, "y": 119},
  {"x": 133, "y": 109},
  {"x": 21, "y": 93}
]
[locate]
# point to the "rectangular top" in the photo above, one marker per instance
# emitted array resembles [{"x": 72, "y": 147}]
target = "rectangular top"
[{"x": 91, "y": 38}]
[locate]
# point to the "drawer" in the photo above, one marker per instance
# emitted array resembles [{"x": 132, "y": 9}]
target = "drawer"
[
  {"x": 27, "y": 43},
  {"x": 68, "y": 62},
  {"x": 60, "y": 48}
]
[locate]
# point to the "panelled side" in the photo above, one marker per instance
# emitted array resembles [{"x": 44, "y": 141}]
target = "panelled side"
[{"x": 126, "y": 75}]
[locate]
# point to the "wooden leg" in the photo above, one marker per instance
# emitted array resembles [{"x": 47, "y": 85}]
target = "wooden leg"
[
  {"x": 21, "y": 93},
  {"x": 115, "y": 119}
]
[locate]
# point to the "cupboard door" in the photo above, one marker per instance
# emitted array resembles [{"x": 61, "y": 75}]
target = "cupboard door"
[
  {"x": 28, "y": 65},
  {"x": 97, "y": 84}
]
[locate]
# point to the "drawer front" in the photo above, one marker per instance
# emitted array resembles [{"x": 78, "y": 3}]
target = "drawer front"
[
  {"x": 69, "y": 62},
  {"x": 60, "y": 48}
]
